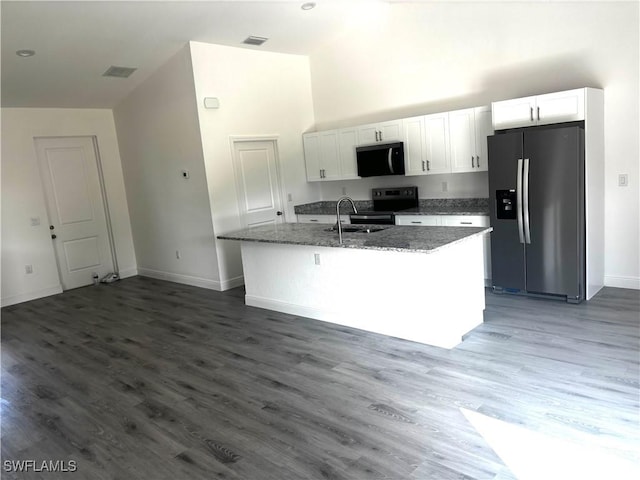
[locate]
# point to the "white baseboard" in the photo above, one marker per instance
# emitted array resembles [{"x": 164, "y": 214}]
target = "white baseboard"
[
  {"x": 193, "y": 281},
  {"x": 128, "y": 272},
  {"x": 284, "y": 307},
  {"x": 25, "y": 297},
  {"x": 232, "y": 283},
  {"x": 622, "y": 282}
]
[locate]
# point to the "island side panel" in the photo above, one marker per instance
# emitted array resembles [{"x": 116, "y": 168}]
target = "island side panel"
[{"x": 433, "y": 298}]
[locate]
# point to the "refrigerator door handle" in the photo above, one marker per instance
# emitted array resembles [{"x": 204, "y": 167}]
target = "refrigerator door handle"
[
  {"x": 525, "y": 201},
  {"x": 519, "y": 200}
]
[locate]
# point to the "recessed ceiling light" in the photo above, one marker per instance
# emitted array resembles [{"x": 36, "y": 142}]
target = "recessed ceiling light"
[
  {"x": 26, "y": 53},
  {"x": 252, "y": 40},
  {"x": 308, "y": 5}
]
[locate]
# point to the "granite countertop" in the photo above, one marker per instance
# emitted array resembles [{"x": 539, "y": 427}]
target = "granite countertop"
[
  {"x": 435, "y": 206},
  {"x": 391, "y": 238}
]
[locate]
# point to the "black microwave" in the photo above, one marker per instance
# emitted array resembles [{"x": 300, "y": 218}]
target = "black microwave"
[{"x": 381, "y": 159}]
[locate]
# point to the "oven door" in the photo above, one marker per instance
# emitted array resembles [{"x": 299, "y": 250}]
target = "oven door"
[{"x": 373, "y": 218}]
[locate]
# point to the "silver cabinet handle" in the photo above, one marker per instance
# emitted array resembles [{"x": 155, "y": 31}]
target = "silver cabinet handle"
[
  {"x": 538, "y": 113},
  {"x": 377, "y": 136},
  {"x": 531, "y": 113},
  {"x": 423, "y": 166},
  {"x": 525, "y": 200},
  {"x": 416, "y": 222},
  {"x": 380, "y": 134},
  {"x": 313, "y": 220},
  {"x": 466, "y": 223},
  {"x": 428, "y": 165},
  {"x": 477, "y": 161},
  {"x": 519, "y": 200},
  {"x": 473, "y": 165}
]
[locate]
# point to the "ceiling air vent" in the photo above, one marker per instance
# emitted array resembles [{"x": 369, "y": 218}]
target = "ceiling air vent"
[
  {"x": 119, "y": 72},
  {"x": 251, "y": 40}
]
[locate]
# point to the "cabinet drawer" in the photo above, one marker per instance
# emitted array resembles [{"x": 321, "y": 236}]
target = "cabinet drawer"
[
  {"x": 465, "y": 221},
  {"x": 322, "y": 219},
  {"x": 418, "y": 220}
]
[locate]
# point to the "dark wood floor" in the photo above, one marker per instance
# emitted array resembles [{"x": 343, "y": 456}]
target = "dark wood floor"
[{"x": 145, "y": 379}]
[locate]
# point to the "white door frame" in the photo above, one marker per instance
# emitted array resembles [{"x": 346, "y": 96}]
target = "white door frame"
[
  {"x": 103, "y": 194},
  {"x": 233, "y": 139}
]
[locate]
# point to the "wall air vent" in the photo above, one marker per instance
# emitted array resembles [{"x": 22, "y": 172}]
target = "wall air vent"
[
  {"x": 119, "y": 72},
  {"x": 251, "y": 40}
]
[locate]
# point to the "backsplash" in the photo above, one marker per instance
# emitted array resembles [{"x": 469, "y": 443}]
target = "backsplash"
[{"x": 328, "y": 207}]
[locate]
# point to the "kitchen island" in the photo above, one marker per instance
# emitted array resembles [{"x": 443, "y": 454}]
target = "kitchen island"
[{"x": 424, "y": 284}]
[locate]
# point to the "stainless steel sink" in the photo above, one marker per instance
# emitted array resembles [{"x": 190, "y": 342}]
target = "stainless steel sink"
[{"x": 354, "y": 229}]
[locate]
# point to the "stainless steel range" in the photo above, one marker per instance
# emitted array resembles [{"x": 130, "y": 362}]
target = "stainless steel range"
[{"x": 387, "y": 201}]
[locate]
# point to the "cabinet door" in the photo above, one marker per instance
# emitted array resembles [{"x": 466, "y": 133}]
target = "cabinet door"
[
  {"x": 390, "y": 131},
  {"x": 483, "y": 130},
  {"x": 560, "y": 107},
  {"x": 418, "y": 220},
  {"x": 414, "y": 163},
  {"x": 462, "y": 138},
  {"x": 329, "y": 155},
  {"x": 368, "y": 134},
  {"x": 329, "y": 219},
  {"x": 436, "y": 128},
  {"x": 513, "y": 113},
  {"x": 465, "y": 221},
  {"x": 311, "y": 142},
  {"x": 347, "y": 141}
]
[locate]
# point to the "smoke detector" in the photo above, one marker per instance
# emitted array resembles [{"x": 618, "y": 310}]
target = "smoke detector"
[
  {"x": 119, "y": 72},
  {"x": 251, "y": 40}
]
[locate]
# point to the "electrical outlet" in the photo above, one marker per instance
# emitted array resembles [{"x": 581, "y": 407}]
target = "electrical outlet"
[
  {"x": 316, "y": 258},
  {"x": 178, "y": 255},
  {"x": 35, "y": 221},
  {"x": 289, "y": 197},
  {"x": 28, "y": 269},
  {"x": 344, "y": 190},
  {"x": 445, "y": 187},
  {"x": 623, "y": 180}
]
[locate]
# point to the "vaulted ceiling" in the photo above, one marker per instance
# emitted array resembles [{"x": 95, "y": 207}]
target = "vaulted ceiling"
[{"x": 75, "y": 42}]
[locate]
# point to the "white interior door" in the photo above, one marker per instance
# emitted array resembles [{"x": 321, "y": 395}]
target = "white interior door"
[
  {"x": 256, "y": 170},
  {"x": 70, "y": 176}
]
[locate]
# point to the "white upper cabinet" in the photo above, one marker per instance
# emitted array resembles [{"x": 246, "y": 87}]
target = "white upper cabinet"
[
  {"x": 436, "y": 140},
  {"x": 414, "y": 146},
  {"x": 311, "y": 143},
  {"x": 321, "y": 153},
  {"x": 447, "y": 142},
  {"x": 462, "y": 136},
  {"x": 347, "y": 143},
  {"x": 560, "y": 107},
  {"x": 380, "y": 132},
  {"x": 468, "y": 131},
  {"x": 545, "y": 109}
]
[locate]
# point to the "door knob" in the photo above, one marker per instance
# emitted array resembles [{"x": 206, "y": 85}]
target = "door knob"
[
  {"x": 54, "y": 236},
  {"x": 278, "y": 213}
]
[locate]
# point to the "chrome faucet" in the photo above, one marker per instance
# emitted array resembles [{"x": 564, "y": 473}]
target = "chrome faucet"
[{"x": 338, "y": 224}]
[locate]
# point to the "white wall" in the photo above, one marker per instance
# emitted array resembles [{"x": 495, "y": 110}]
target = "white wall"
[
  {"x": 23, "y": 197},
  {"x": 159, "y": 137},
  {"x": 260, "y": 94},
  {"x": 410, "y": 58}
]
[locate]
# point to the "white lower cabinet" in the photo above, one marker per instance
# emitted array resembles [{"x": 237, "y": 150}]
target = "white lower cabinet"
[
  {"x": 344, "y": 219},
  {"x": 418, "y": 220},
  {"x": 453, "y": 221}
]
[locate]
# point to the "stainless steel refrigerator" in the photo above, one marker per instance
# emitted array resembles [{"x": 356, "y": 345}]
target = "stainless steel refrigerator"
[{"x": 537, "y": 198}]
